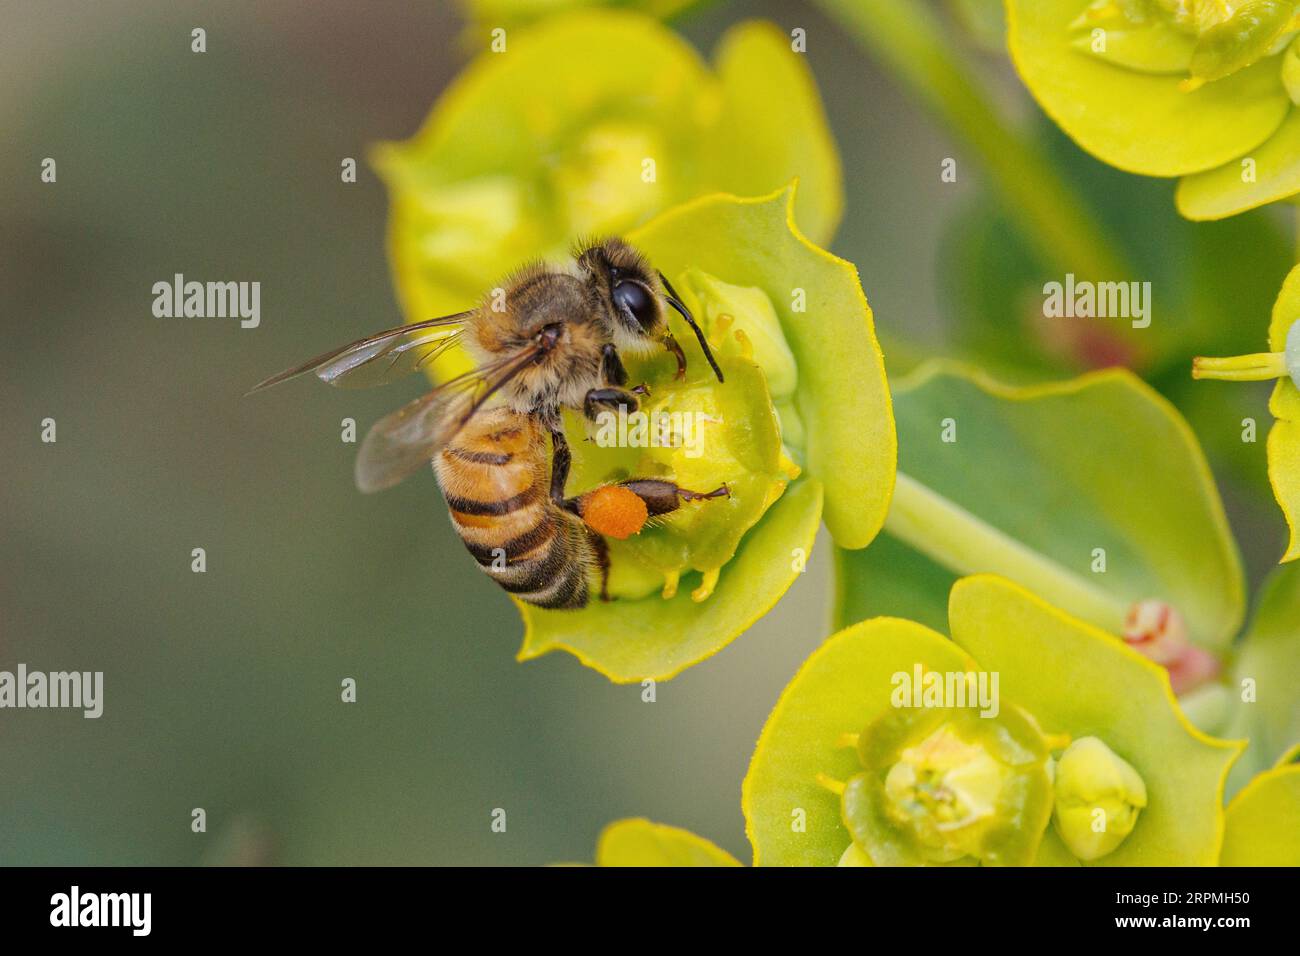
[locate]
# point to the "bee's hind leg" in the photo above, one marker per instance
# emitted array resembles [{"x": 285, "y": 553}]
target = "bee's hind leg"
[
  {"x": 608, "y": 509},
  {"x": 663, "y": 497}
]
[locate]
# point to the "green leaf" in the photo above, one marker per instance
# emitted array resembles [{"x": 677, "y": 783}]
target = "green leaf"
[
  {"x": 1036, "y": 480},
  {"x": 838, "y": 690},
  {"x": 1263, "y": 821},
  {"x": 1268, "y": 655},
  {"x": 842, "y": 397},
  {"x": 1140, "y": 122},
  {"x": 638, "y": 842},
  {"x": 1078, "y": 680},
  {"x": 631, "y": 640}
]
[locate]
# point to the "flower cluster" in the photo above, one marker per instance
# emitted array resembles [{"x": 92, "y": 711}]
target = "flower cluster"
[
  {"x": 590, "y": 123},
  {"x": 1204, "y": 90},
  {"x": 1087, "y": 756}
]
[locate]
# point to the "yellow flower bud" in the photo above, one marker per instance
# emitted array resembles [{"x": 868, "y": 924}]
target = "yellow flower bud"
[
  {"x": 750, "y": 311},
  {"x": 1098, "y": 798}
]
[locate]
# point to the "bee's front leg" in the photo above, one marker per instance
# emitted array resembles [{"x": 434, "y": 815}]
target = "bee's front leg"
[
  {"x": 671, "y": 345},
  {"x": 605, "y": 399},
  {"x": 612, "y": 367}
]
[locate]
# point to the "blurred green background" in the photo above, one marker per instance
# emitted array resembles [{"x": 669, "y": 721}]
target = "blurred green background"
[{"x": 222, "y": 689}]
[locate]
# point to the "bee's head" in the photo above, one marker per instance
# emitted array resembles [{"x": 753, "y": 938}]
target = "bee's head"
[
  {"x": 632, "y": 296},
  {"x": 629, "y": 293}
]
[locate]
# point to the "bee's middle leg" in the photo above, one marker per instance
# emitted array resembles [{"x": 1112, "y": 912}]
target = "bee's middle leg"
[
  {"x": 561, "y": 460},
  {"x": 600, "y": 548}
]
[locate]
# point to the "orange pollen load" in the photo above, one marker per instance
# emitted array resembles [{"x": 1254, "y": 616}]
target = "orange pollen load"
[{"x": 613, "y": 511}]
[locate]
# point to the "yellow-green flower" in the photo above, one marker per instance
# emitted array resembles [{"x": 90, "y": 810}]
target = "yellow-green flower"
[
  {"x": 589, "y": 124},
  {"x": 801, "y": 430},
  {"x": 948, "y": 785},
  {"x": 1282, "y": 362},
  {"x": 1098, "y": 798},
  {"x": 1198, "y": 89},
  {"x": 941, "y": 780}
]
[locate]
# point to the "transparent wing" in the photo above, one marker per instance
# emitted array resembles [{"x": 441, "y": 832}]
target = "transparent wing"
[
  {"x": 401, "y": 443},
  {"x": 380, "y": 358}
]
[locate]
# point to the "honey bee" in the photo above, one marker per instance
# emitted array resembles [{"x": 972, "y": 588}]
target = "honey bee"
[{"x": 552, "y": 340}]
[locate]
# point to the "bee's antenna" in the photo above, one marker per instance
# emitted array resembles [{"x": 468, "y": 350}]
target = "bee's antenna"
[{"x": 673, "y": 300}]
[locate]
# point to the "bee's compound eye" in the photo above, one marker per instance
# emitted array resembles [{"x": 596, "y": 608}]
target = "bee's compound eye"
[{"x": 636, "y": 298}]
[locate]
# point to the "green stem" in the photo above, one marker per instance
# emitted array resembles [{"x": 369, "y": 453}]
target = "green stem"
[
  {"x": 906, "y": 37},
  {"x": 965, "y": 544}
]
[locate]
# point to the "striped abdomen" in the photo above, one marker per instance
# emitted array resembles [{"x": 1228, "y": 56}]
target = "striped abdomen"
[{"x": 496, "y": 477}]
